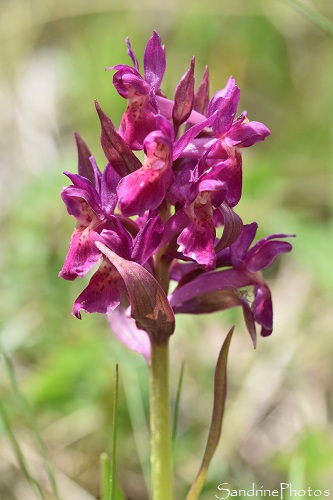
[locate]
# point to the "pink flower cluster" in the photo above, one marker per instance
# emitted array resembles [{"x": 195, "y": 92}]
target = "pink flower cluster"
[{"x": 146, "y": 223}]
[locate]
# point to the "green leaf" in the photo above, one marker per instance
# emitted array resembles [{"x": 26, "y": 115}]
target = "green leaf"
[
  {"x": 149, "y": 305},
  {"x": 220, "y": 392}
]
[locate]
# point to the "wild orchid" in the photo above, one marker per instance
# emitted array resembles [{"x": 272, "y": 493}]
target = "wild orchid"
[{"x": 147, "y": 223}]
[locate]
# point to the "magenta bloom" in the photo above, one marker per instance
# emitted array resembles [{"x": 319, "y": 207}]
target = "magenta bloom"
[
  {"x": 140, "y": 117},
  {"x": 146, "y": 223}
]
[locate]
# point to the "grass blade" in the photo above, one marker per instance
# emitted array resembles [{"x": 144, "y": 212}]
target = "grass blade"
[
  {"x": 322, "y": 22},
  {"x": 135, "y": 401},
  {"x": 35, "y": 486},
  {"x": 31, "y": 423},
  {"x": 220, "y": 392},
  {"x": 114, "y": 434},
  {"x": 108, "y": 466}
]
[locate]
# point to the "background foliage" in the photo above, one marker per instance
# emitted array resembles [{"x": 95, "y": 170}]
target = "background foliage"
[{"x": 278, "y": 425}]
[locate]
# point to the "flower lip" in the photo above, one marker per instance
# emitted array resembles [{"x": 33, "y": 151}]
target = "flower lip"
[{"x": 128, "y": 82}]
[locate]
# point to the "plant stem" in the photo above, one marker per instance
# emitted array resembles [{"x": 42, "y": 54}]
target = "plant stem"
[{"x": 160, "y": 428}]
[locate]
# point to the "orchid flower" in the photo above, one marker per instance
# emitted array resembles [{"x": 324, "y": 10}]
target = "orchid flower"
[
  {"x": 183, "y": 190},
  {"x": 145, "y": 224}
]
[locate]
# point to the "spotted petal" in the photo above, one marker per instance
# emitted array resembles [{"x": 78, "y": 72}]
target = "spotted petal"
[{"x": 102, "y": 295}]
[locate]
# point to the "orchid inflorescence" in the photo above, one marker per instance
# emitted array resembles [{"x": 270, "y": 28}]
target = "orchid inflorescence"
[{"x": 148, "y": 223}]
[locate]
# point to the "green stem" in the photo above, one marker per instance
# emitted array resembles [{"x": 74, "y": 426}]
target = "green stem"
[{"x": 160, "y": 428}]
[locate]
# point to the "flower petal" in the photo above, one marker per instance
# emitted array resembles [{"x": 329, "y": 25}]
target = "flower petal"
[
  {"x": 117, "y": 238},
  {"x": 154, "y": 61},
  {"x": 223, "y": 95},
  {"x": 197, "y": 242},
  {"x": 82, "y": 254},
  {"x": 80, "y": 197},
  {"x": 174, "y": 226},
  {"x": 190, "y": 134},
  {"x": 128, "y": 82},
  {"x": 232, "y": 227},
  {"x": 147, "y": 240},
  {"x": 102, "y": 295},
  {"x": 225, "y": 103},
  {"x": 131, "y": 54},
  {"x": 239, "y": 249},
  {"x": 143, "y": 190},
  {"x": 208, "y": 282},
  {"x": 262, "y": 308},
  {"x": 124, "y": 327},
  {"x": 266, "y": 255},
  {"x": 230, "y": 172},
  {"x": 249, "y": 321},
  {"x": 136, "y": 123},
  {"x": 110, "y": 180},
  {"x": 259, "y": 243},
  {"x": 246, "y": 135},
  {"x": 210, "y": 302}
]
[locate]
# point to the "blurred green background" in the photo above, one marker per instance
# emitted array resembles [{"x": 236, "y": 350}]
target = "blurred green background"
[{"x": 278, "y": 424}]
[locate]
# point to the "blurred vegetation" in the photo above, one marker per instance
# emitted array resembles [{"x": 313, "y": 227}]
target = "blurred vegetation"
[{"x": 278, "y": 425}]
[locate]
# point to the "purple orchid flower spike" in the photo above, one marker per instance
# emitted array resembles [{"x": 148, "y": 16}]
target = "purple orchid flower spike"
[
  {"x": 147, "y": 223},
  {"x": 139, "y": 119},
  {"x": 156, "y": 221}
]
